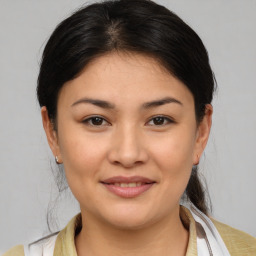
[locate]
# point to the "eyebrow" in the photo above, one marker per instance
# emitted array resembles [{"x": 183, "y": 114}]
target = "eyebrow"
[
  {"x": 96, "y": 102},
  {"x": 146, "y": 105},
  {"x": 160, "y": 102}
]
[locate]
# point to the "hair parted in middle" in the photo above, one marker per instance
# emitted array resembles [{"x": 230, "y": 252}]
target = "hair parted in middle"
[{"x": 131, "y": 26}]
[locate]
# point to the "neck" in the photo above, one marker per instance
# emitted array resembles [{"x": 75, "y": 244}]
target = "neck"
[{"x": 165, "y": 237}]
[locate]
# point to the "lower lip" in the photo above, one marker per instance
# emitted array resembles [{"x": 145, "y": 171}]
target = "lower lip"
[{"x": 128, "y": 192}]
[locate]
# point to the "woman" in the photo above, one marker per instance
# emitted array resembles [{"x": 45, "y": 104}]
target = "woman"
[{"x": 125, "y": 89}]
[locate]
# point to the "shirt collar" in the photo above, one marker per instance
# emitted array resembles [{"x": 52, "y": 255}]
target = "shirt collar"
[{"x": 65, "y": 243}]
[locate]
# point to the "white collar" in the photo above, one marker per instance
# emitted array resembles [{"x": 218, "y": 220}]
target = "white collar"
[{"x": 209, "y": 241}]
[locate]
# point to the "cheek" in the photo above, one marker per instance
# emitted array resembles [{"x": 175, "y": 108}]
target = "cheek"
[
  {"x": 82, "y": 155},
  {"x": 174, "y": 151},
  {"x": 174, "y": 157},
  {"x": 83, "y": 158}
]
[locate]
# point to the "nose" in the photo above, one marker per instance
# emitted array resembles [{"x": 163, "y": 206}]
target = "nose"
[{"x": 127, "y": 148}]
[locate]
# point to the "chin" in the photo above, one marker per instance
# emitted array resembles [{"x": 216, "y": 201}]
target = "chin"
[
  {"x": 129, "y": 219},
  {"x": 128, "y": 223}
]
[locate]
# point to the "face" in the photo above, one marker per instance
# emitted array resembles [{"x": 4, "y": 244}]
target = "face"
[{"x": 128, "y": 138}]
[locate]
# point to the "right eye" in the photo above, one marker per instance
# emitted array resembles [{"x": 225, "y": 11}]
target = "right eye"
[{"x": 95, "y": 121}]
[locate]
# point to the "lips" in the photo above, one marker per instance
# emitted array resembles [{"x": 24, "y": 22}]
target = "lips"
[
  {"x": 122, "y": 179},
  {"x": 128, "y": 187}
]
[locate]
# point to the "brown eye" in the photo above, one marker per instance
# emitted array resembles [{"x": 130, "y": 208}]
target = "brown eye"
[
  {"x": 160, "y": 120},
  {"x": 95, "y": 121}
]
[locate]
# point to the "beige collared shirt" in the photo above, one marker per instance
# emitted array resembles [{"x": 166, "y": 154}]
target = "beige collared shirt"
[{"x": 237, "y": 242}]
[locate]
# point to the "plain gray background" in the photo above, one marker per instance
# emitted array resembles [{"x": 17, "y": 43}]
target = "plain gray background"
[{"x": 26, "y": 181}]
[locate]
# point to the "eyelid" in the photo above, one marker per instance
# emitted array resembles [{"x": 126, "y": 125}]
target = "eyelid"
[
  {"x": 88, "y": 119},
  {"x": 169, "y": 120}
]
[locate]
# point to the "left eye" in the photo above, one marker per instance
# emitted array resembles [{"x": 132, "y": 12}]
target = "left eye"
[{"x": 160, "y": 120}]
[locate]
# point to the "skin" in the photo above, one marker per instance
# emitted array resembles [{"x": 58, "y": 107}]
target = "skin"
[{"x": 128, "y": 141}]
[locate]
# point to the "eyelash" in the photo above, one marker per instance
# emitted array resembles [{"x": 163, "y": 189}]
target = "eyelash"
[
  {"x": 167, "y": 120},
  {"x": 87, "y": 121}
]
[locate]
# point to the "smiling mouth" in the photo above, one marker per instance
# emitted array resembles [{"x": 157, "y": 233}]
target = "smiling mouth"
[{"x": 128, "y": 187}]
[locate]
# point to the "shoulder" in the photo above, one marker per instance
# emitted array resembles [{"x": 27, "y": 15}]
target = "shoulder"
[
  {"x": 44, "y": 245},
  {"x": 237, "y": 242},
  {"x": 15, "y": 251}
]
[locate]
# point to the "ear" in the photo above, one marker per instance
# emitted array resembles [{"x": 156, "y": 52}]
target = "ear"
[
  {"x": 203, "y": 132},
  {"x": 51, "y": 134}
]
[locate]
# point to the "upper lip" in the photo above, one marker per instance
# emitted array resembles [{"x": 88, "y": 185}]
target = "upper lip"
[{"x": 123, "y": 179}]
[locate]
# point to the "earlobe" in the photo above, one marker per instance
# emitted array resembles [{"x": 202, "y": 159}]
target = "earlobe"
[
  {"x": 203, "y": 133},
  {"x": 51, "y": 133}
]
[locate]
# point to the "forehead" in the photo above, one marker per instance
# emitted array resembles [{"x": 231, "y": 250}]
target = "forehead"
[{"x": 125, "y": 77}]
